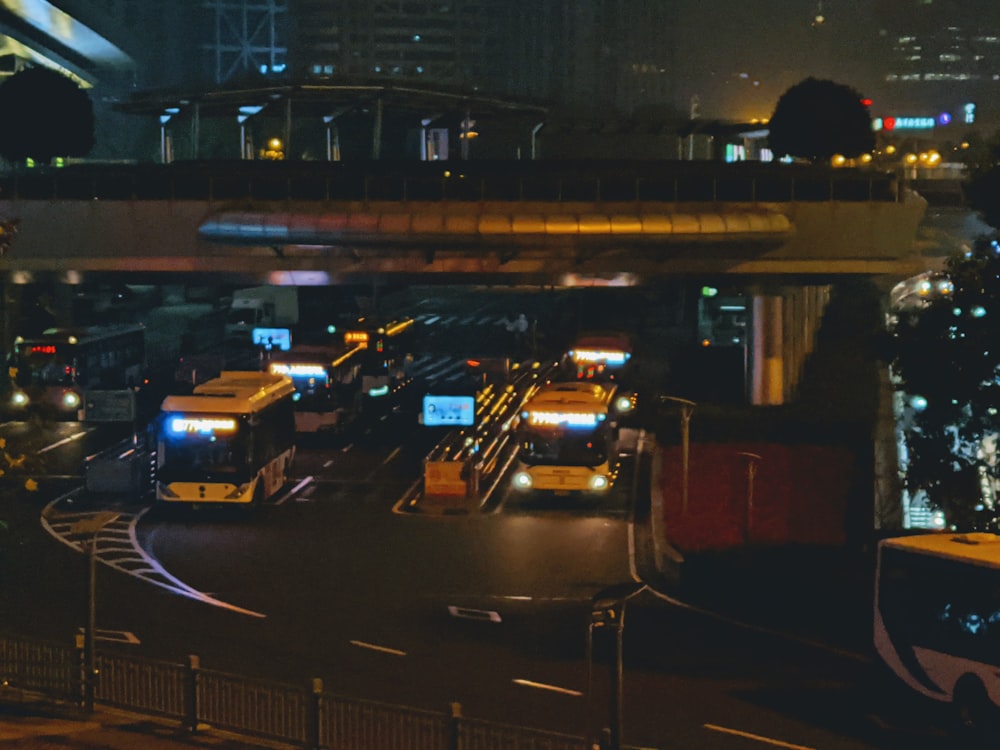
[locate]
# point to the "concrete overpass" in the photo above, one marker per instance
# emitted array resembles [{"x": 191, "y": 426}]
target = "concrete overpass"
[{"x": 786, "y": 232}]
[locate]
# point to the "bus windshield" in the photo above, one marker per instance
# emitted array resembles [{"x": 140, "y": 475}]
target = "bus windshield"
[
  {"x": 564, "y": 447},
  {"x": 41, "y": 364},
  {"x": 203, "y": 448}
]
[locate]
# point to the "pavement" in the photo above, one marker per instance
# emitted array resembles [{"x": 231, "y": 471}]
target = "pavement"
[{"x": 35, "y": 724}]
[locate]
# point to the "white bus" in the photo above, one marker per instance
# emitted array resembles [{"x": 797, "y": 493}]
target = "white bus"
[
  {"x": 231, "y": 441},
  {"x": 937, "y": 620},
  {"x": 327, "y": 383}
]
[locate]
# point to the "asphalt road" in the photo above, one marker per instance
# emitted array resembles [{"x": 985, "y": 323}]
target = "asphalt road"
[{"x": 488, "y": 609}]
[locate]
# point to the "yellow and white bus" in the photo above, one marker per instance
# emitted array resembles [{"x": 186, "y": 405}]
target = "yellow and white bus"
[
  {"x": 937, "y": 620},
  {"x": 567, "y": 437},
  {"x": 231, "y": 441}
]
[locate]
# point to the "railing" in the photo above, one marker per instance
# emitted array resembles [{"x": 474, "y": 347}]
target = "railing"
[
  {"x": 470, "y": 181},
  {"x": 301, "y": 717}
]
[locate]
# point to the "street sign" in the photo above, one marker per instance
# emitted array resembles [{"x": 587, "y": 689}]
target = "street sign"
[{"x": 109, "y": 406}]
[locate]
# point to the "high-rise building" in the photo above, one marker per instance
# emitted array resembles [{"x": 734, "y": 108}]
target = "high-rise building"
[
  {"x": 438, "y": 42},
  {"x": 598, "y": 56}
]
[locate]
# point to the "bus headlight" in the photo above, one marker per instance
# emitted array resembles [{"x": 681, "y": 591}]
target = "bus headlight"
[
  {"x": 19, "y": 399},
  {"x": 598, "y": 482},
  {"x": 71, "y": 400},
  {"x": 522, "y": 480},
  {"x": 624, "y": 403}
]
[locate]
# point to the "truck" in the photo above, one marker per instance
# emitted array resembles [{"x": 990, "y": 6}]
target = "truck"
[{"x": 261, "y": 307}]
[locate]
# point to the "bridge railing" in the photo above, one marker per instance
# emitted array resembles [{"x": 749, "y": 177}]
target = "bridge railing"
[{"x": 537, "y": 181}]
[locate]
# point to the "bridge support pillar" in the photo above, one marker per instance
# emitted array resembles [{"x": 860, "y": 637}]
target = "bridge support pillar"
[{"x": 783, "y": 334}]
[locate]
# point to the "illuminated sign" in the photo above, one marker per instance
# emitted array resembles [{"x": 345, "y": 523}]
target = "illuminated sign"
[
  {"x": 969, "y": 113},
  {"x": 298, "y": 370},
  {"x": 380, "y": 391},
  {"x": 273, "y": 338},
  {"x": 908, "y": 123},
  {"x": 449, "y": 410},
  {"x": 356, "y": 337},
  {"x": 563, "y": 419},
  {"x": 43, "y": 349},
  {"x": 200, "y": 425},
  {"x": 607, "y": 356}
]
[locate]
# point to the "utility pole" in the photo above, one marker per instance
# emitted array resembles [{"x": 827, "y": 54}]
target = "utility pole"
[{"x": 91, "y": 526}]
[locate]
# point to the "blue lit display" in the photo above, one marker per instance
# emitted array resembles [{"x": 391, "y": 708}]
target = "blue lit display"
[
  {"x": 273, "y": 338},
  {"x": 453, "y": 411}
]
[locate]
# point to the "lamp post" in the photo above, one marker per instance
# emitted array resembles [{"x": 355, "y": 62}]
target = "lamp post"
[
  {"x": 608, "y": 610},
  {"x": 687, "y": 409},
  {"x": 91, "y": 526}
]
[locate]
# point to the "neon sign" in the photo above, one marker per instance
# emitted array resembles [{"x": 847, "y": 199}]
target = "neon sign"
[
  {"x": 200, "y": 425},
  {"x": 356, "y": 337},
  {"x": 908, "y": 123},
  {"x": 563, "y": 419},
  {"x": 298, "y": 370},
  {"x": 43, "y": 349},
  {"x": 600, "y": 355}
]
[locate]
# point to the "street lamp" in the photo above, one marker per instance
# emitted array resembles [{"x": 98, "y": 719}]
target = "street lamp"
[
  {"x": 91, "y": 526},
  {"x": 687, "y": 409},
  {"x": 607, "y": 610}
]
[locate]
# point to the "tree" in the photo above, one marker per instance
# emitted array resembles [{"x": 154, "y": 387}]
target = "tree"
[
  {"x": 818, "y": 119},
  {"x": 946, "y": 357},
  {"x": 45, "y": 114}
]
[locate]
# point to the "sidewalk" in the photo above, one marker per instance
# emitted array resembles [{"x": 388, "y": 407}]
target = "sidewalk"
[{"x": 42, "y": 726}]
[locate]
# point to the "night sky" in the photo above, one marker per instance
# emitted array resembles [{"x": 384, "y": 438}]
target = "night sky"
[{"x": 748, "y": 52}]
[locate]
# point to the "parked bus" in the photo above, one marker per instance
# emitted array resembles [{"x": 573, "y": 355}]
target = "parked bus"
[
  {"x": 567, "y": 437},
  {"x": 937, "y": 620},
  {"x": 231, "y": 441},
  {"x": 49, "y": 374},
  {"x": 600, "y": 357},
  {"x": 327, "y": 382},
  {"x": 386, "y": 352}
]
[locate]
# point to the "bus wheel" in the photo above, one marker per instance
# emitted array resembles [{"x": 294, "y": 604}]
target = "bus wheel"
[{"x": 978, "y": 718}]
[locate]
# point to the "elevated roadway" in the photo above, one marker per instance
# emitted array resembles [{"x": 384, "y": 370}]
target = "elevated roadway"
[
  {"x": 785, "y": 232},
  {"x": 523, "y": 220}
]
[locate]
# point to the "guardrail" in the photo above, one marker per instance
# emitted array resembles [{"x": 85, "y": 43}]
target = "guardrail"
[
  {"x": 301, "y": 717},
  {"x": 469, "y": 181}
]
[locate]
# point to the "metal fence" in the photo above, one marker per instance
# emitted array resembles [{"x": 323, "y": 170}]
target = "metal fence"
[
  {"x": 302, "y": 717},
  {"x": 516, "y": 181}
]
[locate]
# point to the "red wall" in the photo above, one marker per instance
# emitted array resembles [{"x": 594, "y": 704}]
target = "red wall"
[{"x": 800, "y": 495}]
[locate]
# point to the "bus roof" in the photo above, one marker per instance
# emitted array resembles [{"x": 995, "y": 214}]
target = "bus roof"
[
  {"x": 233, "y": 392},
  {"x": 82, "y": 333},
  {"x": 319, "y": 354},
  {"x": 977, "y": 548},
  {"x": 610, "y": 340},
  {"x": 575, "y": 395}
]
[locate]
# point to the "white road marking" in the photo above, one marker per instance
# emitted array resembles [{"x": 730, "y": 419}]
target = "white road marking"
[
  {"x": 64, "y": 441},
  {"x": 380, "y": 649},
  {"x": 544, "y": 686},
  {"x": 292, "y": 491},
  {"x": 328, "y": 464},
  {"x": 392, "y": 455},
  {"x": 757, "y": 737}
]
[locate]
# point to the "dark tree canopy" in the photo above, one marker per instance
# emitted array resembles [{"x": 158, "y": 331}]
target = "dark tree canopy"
[
  {"x": 45, "y": 114},
  {"x": 817, "y": 120},
  {"x": 982, "y": 192},
  {"x": 947, "y": 363}
]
